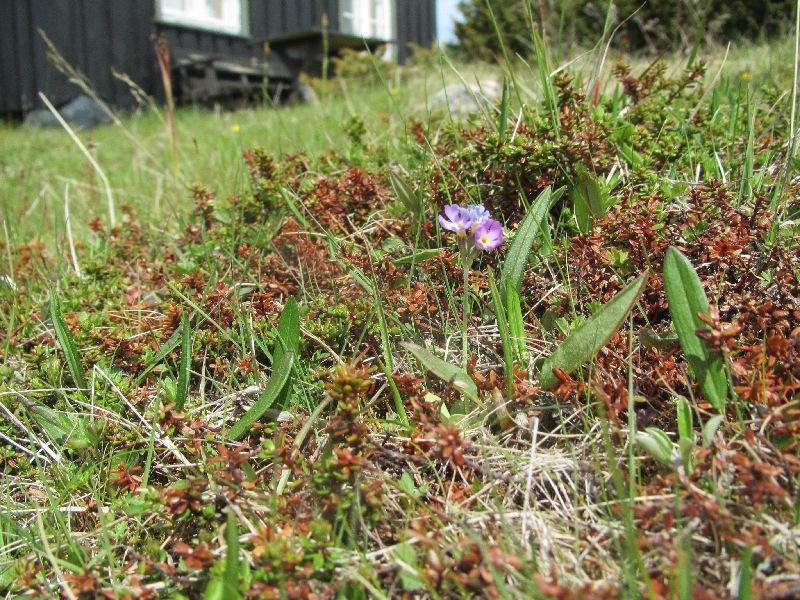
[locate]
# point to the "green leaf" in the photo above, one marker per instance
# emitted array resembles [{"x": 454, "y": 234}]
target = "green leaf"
[
  {"x": 67, "y": 343},
  {"x": 186, "y": 363},
  {"x": 686, "y": 300},
  {"x": 406, "y": 194},
  {"x": 592, "y": 188},
  {"x": 710, "y": 429},
  {"x": 588, "y": 198},
  {"x": 685, "y": 420},
  {"x": 409, "y": 580},
  {"x": 657, "y": 444},
  {"x": 455, "y": 376},
  {"x": 226, "y": 587},
  {"x": 502, "y": 121},
  {"x": 745, "y": 579},
  {"x": 417, "y": 257},
  {"x": 231, "y": 576},
  {"x": 517, "y": 256},
  {"x": 280, "y": 376},
  {"x": 64, "y": 430},
  {"x": 581, "y": 210},
  {"x": 288, "y": 338},
  {"x": 516, "y": 325},
  {"x": 505, "y": 337},
  {"x": 592, "y": 335},
  {"x": 167, "y": 347}
]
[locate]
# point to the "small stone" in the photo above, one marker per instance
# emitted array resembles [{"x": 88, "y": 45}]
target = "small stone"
[{"x": 462, "y": 100}]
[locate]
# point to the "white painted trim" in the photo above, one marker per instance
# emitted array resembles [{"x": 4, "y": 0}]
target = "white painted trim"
[{"x": 194, "y": 19}]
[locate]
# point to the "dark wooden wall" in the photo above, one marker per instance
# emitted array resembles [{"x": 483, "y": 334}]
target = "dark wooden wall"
[
  {"x": 92, "y": 35},
  {"x": 97, "y": 35},
  {"x": 416, "y": 22},
  {"x": 280, "y": 17}
]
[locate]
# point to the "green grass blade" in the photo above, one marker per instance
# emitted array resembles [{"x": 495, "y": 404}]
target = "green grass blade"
[
  {"x": 186, "y": 363},
  {"x": 592, "y": 335},
  {"x": 517, "y": 256},
  {"x": 745, "y": 591},
  {"x": 167, "y": 347},
  {"x": 67, "y": 343},
  {"x": 686, "y": 298},
  {"x": 226, "y": 586},
  {"x": 516, "y": 325},
  {"x": 455, "y": 376},
  {"x": 417, "y": 257},
  {"x": 231, "y": 576},
  {"x": 280, "y": 376},
  {"x": 502, "y": 122},
  {"x": 505, "y": 337},
  {"x": 543, "y": 68}
]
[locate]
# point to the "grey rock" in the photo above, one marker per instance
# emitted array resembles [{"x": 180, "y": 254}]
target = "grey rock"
[
  {"x": 80, "y": 113},
  {"x": 462, "y": 100}
]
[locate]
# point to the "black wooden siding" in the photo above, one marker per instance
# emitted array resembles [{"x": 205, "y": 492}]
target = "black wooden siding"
[{"x": 97, "y": 35}]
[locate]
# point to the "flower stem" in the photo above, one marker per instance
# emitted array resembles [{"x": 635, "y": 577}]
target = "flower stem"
[{"x": 467, "y": 264}]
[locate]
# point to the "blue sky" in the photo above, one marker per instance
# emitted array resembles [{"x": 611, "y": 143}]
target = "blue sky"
[{"x": 446, "y": 13}]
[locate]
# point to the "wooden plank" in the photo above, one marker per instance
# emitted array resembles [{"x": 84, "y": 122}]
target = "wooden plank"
[
  {"x": 9, "y": 50},
  {"x": 258, "y": 20},
  {"x": 121, "y": 30},
  {"x": 60, "y": 21},
  {"x": 332, "y": 8},
  {"x": 97, "y": 49},
  {"x": 23, "y": 21}
]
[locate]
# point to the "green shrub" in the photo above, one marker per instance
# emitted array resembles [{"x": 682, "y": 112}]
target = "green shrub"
[{"x": 658, "y": 25}]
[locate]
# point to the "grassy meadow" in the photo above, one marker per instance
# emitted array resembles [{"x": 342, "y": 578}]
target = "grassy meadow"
[{"x": 281, "y": 374}]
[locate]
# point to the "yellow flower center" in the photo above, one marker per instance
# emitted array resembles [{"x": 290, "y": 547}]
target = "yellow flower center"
[{"x": 484, "y": 239}]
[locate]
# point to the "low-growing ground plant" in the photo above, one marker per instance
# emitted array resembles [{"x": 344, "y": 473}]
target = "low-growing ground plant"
[{"x": 550, "y": 351}]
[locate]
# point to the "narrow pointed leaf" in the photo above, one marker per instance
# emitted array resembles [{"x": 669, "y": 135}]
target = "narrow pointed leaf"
[
  {"x": 455, "y": 376},
  {"x": 280, "y": 376},
  {"x": 584, "y": 342},
  {"x": 67, "y": 343},
  {"x": 405, "y": 193},
  {"x": 685, "y": 420},
  {"x": 226, "y": 585},
  {"x": 502, "y": 122},
  {"x": 173, "y": 342},
  {"x": 64, "y": 430},
  {"x": 710, "y": 429},
  {"x": 186, "y": 363},
  {"x": 516, "y": 324},
  {"x": 417, "y": 257},
  {"x": 288, "y": 339},
  {"x": 517, "y": 256},
  {"x": 687, "y": 299},
  {"x": 231, "y": 576},
  {"x": 657, "y": 444}
]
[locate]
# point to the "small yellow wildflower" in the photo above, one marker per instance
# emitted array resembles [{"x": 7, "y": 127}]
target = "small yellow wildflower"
[{"x": 236, "y": 128}]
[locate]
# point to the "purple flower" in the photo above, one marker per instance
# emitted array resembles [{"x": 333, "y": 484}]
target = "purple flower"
[
  {"x": 479, "y": 214},
  {"x": 489, "y": 235},
  {"x": 456, "y": 218}
]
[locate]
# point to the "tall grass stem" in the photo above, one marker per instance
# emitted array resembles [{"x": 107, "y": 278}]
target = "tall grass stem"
[{"x": 109, "y": 195}]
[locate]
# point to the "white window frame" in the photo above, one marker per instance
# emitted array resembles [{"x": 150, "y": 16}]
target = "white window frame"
[
  {"x": 363, "y": 19},
  {"x": 193, "y": 17}
]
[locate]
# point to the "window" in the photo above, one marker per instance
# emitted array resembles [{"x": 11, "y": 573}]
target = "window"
[
  {"x": 368, "y": 18},
  {"x": 226, "y": 16}
]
